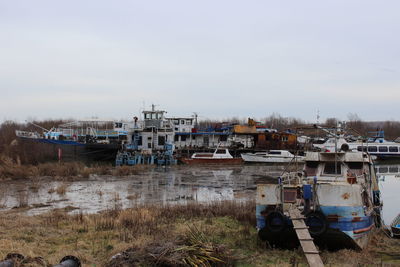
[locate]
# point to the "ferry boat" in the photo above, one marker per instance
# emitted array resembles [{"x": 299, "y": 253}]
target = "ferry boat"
[
  {"x": 337, "y": 193},
  {"x": 272, "y": 156},
  {"x": 376, "y": 146},
  {"x": 220, "y": 156}
]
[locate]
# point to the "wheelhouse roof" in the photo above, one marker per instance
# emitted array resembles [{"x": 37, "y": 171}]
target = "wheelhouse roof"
[{"x": 339, "y": 156}]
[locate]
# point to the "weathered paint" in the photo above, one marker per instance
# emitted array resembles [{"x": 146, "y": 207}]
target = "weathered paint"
[
  {"x": 268, "y": 194},
  {"x": 339, "y": 194}
]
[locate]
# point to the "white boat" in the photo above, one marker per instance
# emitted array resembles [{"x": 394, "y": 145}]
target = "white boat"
[
  {"x": 379, "y": 148},
  {"x": 272, "y": 156},
  {"x": 220, "y": 155},
  {"x": 376, "y": 146}
]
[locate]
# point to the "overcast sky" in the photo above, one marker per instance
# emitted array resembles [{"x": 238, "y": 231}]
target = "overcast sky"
[{"x": 63, "y": 59}]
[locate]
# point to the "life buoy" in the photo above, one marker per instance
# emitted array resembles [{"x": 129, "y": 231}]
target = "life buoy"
[{"x": 317, "y": 223}]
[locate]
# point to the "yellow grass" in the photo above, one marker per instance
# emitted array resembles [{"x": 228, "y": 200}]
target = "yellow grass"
[{"x": 222, "y": 234}]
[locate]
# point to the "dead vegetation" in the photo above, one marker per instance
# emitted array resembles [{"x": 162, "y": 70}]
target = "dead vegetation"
[
  {"x": 12, "y": 170},
  {"x": 217, "y": 234}
]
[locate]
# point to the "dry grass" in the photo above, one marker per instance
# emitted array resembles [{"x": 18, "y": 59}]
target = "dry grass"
[
  {"x": 217, "y": 234},
  {"x": 66, "y": 170},
  {"x": 62, "y": 189}
]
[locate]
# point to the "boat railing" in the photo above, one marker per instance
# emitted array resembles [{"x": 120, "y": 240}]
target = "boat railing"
[
  {"x": 27, "y": 134},
  {"x": 291, "y": 178}
]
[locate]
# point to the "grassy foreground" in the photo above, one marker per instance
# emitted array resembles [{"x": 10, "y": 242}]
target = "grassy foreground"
[{"x": 218, "y": 234}]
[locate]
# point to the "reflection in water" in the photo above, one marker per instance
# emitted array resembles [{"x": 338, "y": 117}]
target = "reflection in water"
[
  {"x": 178, "y": 184},
  {"x": 389, "y": 184}
]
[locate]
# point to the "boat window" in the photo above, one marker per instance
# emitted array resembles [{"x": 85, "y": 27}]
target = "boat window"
[
  {"x": 176, "y": 138},
  {"x": 220, "y": 151},
  {"x": 176, "y": 122},
  {"x": 223, "y": 138},
  {"x": 161, "y": 140},
  {"x": 147, "y": 116},
  {"x": 275, "y": 153},
  {"x": 311, "y": 168},
  {"x": 183, "y": 137},
  {"x": 356, "y": 167},
  {"x": 330, "y": 168},
  {"x": 372, "y": 149},
  {"x": 393, "y": 149},
  {"x": 359, "y": 148},
  {"x": 383, "y": 170},
  {"x": 383, "y": 149},
  {"x": 393, "y": 169}
]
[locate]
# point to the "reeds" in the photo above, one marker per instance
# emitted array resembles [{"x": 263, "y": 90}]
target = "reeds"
[{"x": 65, "y": 170}]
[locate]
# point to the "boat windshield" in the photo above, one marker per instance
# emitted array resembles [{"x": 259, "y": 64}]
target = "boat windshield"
[
  {"x": 356, "y": 167},
  {"x": 311, "y": 168},
  {"x": 220, "y": 151},
  {"x": 330, "y": 168},
  {"x": 275, "y": 153}
]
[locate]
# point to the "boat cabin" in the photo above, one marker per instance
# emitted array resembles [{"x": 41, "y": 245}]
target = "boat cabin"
[{"x": 340, "y": 166}]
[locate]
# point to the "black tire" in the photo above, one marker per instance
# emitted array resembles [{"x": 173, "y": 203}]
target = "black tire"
[
  {"x": 275, "y": 222},
  {"x": 317, "y": 223}
]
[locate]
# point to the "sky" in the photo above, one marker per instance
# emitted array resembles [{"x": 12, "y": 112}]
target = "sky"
[{"x": 221, "y": 59}]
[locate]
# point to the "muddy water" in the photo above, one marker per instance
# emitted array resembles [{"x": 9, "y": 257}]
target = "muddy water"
[{"x": 178, "y": 184}]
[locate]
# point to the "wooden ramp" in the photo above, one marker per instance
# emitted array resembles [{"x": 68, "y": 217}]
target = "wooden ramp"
[{"x": 306, "y": 241}]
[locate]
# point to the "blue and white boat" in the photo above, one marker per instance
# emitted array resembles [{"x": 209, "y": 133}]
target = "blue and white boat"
[{"x": 337, "y": 193}]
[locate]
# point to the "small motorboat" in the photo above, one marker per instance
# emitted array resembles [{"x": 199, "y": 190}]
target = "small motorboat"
[
  {"x": 272, "y": 156},
  {"x": 395, "y": 227},
  {"x": 220, "y": 156}
]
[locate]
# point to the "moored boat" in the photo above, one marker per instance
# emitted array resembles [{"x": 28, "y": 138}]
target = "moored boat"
[
  {"x": 219, "y": 156},
  {"x": 337, "y": 193},
  {"x": 272, "y": 156}
]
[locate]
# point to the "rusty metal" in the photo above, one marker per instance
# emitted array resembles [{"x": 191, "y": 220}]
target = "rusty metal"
[
  {"x": 11, "y": 260},
  {"x": 69, "y": 261}
]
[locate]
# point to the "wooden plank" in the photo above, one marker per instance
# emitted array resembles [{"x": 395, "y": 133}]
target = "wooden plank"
[
  {"x": 306, "y": 241},
  {"x": 314, "y": 260}
]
